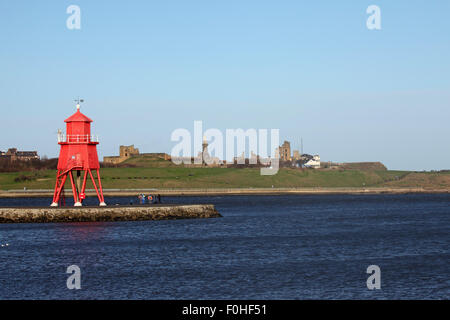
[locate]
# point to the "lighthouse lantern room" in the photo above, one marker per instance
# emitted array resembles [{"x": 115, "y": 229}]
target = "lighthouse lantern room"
[{"x": 78, "y": 160}]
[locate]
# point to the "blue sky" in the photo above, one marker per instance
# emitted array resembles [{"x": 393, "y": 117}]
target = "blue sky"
[{"x": 310, "y": 68}]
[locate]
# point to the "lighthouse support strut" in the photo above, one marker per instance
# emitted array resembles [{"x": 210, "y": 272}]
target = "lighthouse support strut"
[
  {"x": 59, "y": 186},
  {"x": 61, "y": 179},
  {"x": 76, "y": 201},
  {"x": 102, "y": 203},
  {"x": 83, "y": 188},
  {"x": 99, "y": 195},
  {"x": 56, "y": 186}
]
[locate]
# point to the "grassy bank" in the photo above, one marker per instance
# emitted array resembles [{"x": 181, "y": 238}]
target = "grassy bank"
[{"x": 180, "y": 177}]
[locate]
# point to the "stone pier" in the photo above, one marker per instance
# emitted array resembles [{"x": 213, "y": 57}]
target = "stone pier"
[{"x": 109, "y": 213}]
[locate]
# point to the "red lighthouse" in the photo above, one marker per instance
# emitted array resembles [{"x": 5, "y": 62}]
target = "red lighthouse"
[{"x": 78, "y": 153}]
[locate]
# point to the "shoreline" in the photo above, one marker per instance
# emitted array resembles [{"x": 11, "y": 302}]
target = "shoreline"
[{"x": 227, "y": 191}]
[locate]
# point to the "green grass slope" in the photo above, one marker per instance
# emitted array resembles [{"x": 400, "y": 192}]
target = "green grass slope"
[
  {"x": 180, "y": 177},
  {"x": 148, "y": 172}
]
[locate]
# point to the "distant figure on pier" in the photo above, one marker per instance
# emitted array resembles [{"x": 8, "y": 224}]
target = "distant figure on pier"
[{"x": 142, "y": 198}]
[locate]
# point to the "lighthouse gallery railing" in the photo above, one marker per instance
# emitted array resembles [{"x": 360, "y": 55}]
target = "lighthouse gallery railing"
[{"x": 77, "y": 138}]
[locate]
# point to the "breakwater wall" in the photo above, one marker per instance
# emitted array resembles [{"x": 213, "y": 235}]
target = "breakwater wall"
[{"x": 111, "y": 213}]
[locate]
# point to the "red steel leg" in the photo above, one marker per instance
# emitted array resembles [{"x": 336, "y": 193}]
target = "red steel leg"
[
  {"x": 95, "y": 186},
  {"x": 83, "y": 188},
  {"x": 75, "y": 196},
  {"x": 60, "y": 187},
  {"x": 55, "y": 200},
  {"x": 100, "y": 185},
  {"x": 63, "y": 196}
]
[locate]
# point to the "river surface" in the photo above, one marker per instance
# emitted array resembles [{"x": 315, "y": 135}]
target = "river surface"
[{"x": 264, "y": 247}]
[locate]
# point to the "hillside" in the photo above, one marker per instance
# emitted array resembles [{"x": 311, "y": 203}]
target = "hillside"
[
  {"x": 173, "y": 176},
  {"x": 367, "y": 166}
]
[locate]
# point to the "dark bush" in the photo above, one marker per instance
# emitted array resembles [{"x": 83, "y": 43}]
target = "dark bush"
[
  {"x": 23, "y": 178},
  {"x": 6, "y": 165}
]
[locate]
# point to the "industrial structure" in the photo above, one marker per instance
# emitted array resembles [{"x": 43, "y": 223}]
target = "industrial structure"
[{"x": 78, "y": 153}]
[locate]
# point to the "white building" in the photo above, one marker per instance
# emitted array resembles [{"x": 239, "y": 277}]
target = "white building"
[{"x": 314, "y": 162}]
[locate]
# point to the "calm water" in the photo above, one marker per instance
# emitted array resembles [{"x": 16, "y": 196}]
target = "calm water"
[{"x": 277, "y": 247}]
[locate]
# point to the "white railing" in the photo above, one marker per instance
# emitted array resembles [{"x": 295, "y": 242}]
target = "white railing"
[{"x": 77, "y": 138}]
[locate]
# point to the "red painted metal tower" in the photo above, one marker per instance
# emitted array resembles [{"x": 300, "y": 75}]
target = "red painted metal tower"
[{"x": 78, "y": 153}]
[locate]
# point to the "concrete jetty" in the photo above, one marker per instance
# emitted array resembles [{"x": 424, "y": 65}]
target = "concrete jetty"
[{"x": 109, "y": 213}]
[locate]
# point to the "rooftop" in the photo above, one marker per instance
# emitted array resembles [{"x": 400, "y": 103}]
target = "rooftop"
[{"x": 78, "y": 117}]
